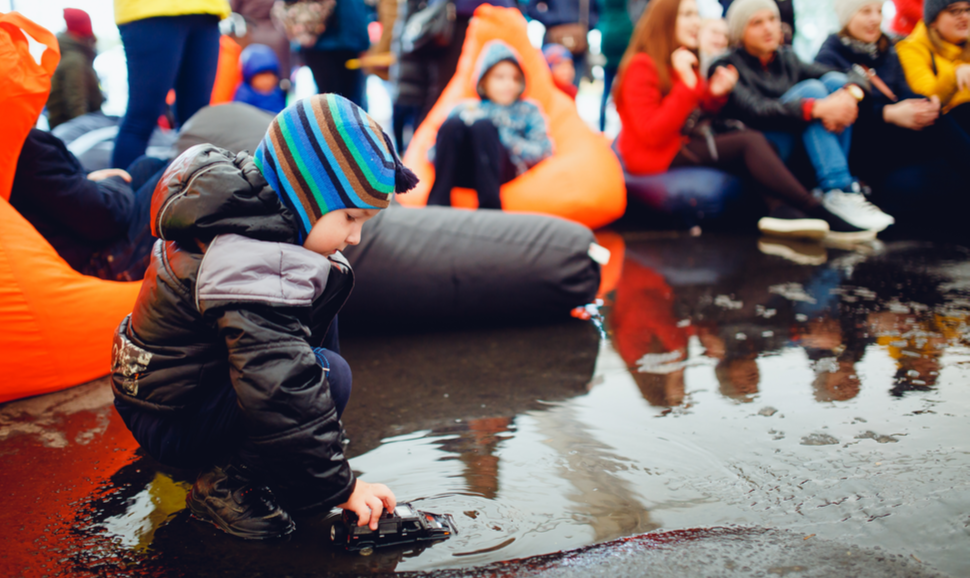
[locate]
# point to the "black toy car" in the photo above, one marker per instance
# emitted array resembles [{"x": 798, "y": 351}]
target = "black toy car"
[{"x": 404, "y": 525}]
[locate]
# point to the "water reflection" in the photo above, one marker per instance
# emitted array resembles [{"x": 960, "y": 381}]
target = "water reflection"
[
  {"x": 825, "y": 395},
  {"x": 743, "y": 305}
]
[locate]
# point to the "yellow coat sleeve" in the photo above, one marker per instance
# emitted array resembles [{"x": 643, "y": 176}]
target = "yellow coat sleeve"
[{"x": 917, "y": 59}]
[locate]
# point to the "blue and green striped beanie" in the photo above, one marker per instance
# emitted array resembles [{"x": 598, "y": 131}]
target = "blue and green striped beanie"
[{"x": 324, "y": 153}]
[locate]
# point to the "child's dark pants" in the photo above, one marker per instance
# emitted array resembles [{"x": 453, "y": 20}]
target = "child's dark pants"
[
  {"x": 470, "y": 156},
  {"x": 214, "y": 429}
]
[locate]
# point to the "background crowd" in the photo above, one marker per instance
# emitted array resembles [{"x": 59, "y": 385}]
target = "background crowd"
[{"x": 874, "y": 128}]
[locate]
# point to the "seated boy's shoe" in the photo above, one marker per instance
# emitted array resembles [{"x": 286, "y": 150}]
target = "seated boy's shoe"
[
  {"x": 839, "y": 229},
  {"x": 853, "y": 207},
  {"x": 238, "y": 506},
  {"x": 793, "y": 250},
  {"x": 786, "y": 221}
]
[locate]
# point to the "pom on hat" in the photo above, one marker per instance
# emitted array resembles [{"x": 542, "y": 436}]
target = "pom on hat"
[
  {"x": 78, "y": 22},
  {"x": 404, "y": 178},
  {"x": 324, "y": 153},
  {"x": 846, "y": 9},
  {"x": 740, "y": 13}
]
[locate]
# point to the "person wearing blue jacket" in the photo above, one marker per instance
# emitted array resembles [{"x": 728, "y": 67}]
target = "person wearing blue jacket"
[
  {"x": 486, "y": 143},
  {"x": 896, "y": 126},
  {"x": 344, "y": 39},
  {"x": 261, "y": 79},
  {"x": 97, "y": 222}
]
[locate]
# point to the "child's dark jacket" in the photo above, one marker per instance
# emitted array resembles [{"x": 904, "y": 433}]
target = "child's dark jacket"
[{"x": 249, "y": 309}]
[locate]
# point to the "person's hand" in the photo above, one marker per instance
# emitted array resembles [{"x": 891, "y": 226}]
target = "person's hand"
[
  {"x": 369, "y": 501},
  {"x": 108, "y": 173},
  {"x": 723, "y": 80},
  {"x": 836, "y": 111},
  {"x": 963, "y": 76},
  {"x": 914, "y": 113},
  {"x": 684, "y": 61}
]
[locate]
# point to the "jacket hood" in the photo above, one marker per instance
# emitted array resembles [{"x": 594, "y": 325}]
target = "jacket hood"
[
  {"x": 492, "y": 53},
  {"x": 257, "y": 58},
  {"x": 70, "y": 43},
  {"x": 209, "y": 191}
]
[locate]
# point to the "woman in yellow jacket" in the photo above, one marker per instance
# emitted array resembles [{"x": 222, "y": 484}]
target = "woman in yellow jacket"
[
  {"x": 936, "y": 57},
  {"x": 168, "y": 44}
]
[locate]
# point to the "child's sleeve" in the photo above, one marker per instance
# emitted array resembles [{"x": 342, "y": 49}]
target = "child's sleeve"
[
  {"x": 535, "y": 144},
  {"x": 259, "y": 296},
  {"x": 290, "y": 416}
]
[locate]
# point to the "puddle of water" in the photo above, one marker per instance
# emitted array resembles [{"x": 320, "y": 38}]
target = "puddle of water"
[{"x": 735, "y": 387}]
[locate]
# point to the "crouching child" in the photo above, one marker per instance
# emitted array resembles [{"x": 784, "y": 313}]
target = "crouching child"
[{"x": 220, "y": 367}]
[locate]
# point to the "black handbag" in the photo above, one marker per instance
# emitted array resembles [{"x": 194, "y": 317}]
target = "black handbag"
[{"x": 433, "y": 26}]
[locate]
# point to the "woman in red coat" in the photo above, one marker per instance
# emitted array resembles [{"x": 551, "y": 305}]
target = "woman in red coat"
[{"x": 659, "y": 96}]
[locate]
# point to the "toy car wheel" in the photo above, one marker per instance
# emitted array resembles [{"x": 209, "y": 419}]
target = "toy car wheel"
[{"x": 338, "y": 533}]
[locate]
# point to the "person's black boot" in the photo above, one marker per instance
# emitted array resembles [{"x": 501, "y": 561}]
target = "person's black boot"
[{"x": 237, "y": 505}]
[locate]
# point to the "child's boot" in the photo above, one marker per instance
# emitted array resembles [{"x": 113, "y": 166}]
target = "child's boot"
[{"x": 237, "y": 505}]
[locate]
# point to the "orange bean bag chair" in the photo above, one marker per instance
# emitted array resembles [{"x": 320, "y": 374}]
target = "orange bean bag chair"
[
  {"x": 57, "y": 324},
  {"x": 582, "y": 181},
  {"x": 228, "y": 73}
]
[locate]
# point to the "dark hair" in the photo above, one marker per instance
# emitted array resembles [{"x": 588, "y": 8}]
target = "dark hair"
[{"x": 654, "y": 35}]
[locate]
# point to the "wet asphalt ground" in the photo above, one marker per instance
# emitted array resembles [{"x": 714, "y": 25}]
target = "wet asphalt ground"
[{"x": 757, "y": 409}]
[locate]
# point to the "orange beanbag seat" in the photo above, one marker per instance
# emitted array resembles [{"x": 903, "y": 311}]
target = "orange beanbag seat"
[
  {"x": 582, "y": 181},
  {"x": 57, "y": 324},
  {"x": 228, "y": 72}
]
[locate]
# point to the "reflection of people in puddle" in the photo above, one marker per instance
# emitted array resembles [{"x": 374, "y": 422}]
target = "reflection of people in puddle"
[
  {"x": 917, "y": 346},
  {"x": 662, "y": 389},
  {"x": 476, "y": 448},
  {"x": 647, "y": 335},
  {"x": 834, "y": 353}
]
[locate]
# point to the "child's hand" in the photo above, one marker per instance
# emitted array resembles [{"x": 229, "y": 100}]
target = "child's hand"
[{"x": 368, "y": 501}]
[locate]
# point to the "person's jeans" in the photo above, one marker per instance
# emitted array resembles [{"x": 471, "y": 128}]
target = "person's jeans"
[
  {"x": 609, "y": 74},
  {"x": 330, "y": 72},
  {"x": 180, "y": 52},
  {"x": 212, "y": 431},
  {"x": 828, "y": 151}
]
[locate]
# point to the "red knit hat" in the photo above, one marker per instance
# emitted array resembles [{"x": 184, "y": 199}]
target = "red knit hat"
[{"x": 78, "y": 22}]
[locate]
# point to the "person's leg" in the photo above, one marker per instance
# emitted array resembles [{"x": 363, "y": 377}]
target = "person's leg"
[
  {"x": 339, "y": 377},
  {"x": 143, "y": 169},
  {"x": 197, "y": 69},
  {"x": 451, "y": 160},
  {"x": 609, "y": 73},
  {"x": 826, "y": 150},
  {"x": 153, "y": 49},
  {"x": 488, "y": 153},
  {"x": 198, "y": 438},
  {"x": 442, "y": 67},
  {"x": 330, "y": 72}
]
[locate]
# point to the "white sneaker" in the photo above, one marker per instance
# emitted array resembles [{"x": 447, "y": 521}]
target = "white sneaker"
[{"x": 855, "y": 209}]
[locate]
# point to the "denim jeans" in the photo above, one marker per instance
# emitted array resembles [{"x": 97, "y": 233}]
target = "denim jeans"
[
  {"x": 165, "y": 52},
  {"x": 828, "y": 151}
]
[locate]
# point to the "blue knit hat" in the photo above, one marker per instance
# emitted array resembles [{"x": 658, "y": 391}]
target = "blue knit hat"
[{"x": 324, "y": 153}]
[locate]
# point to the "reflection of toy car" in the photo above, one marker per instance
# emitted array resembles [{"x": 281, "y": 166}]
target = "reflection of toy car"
[{"x": 404, "y": 525}]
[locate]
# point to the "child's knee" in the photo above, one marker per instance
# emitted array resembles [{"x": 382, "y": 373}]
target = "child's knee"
[{"x": 483, "y": 126}]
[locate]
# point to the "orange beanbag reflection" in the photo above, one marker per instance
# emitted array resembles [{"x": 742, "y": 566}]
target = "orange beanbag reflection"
[
  {"x": 56, "y": 325},
  {"x": 582, "y": 181}
]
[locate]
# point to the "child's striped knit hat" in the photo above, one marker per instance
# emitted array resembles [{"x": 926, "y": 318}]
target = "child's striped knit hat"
[{"x": 324, "y": 153}]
